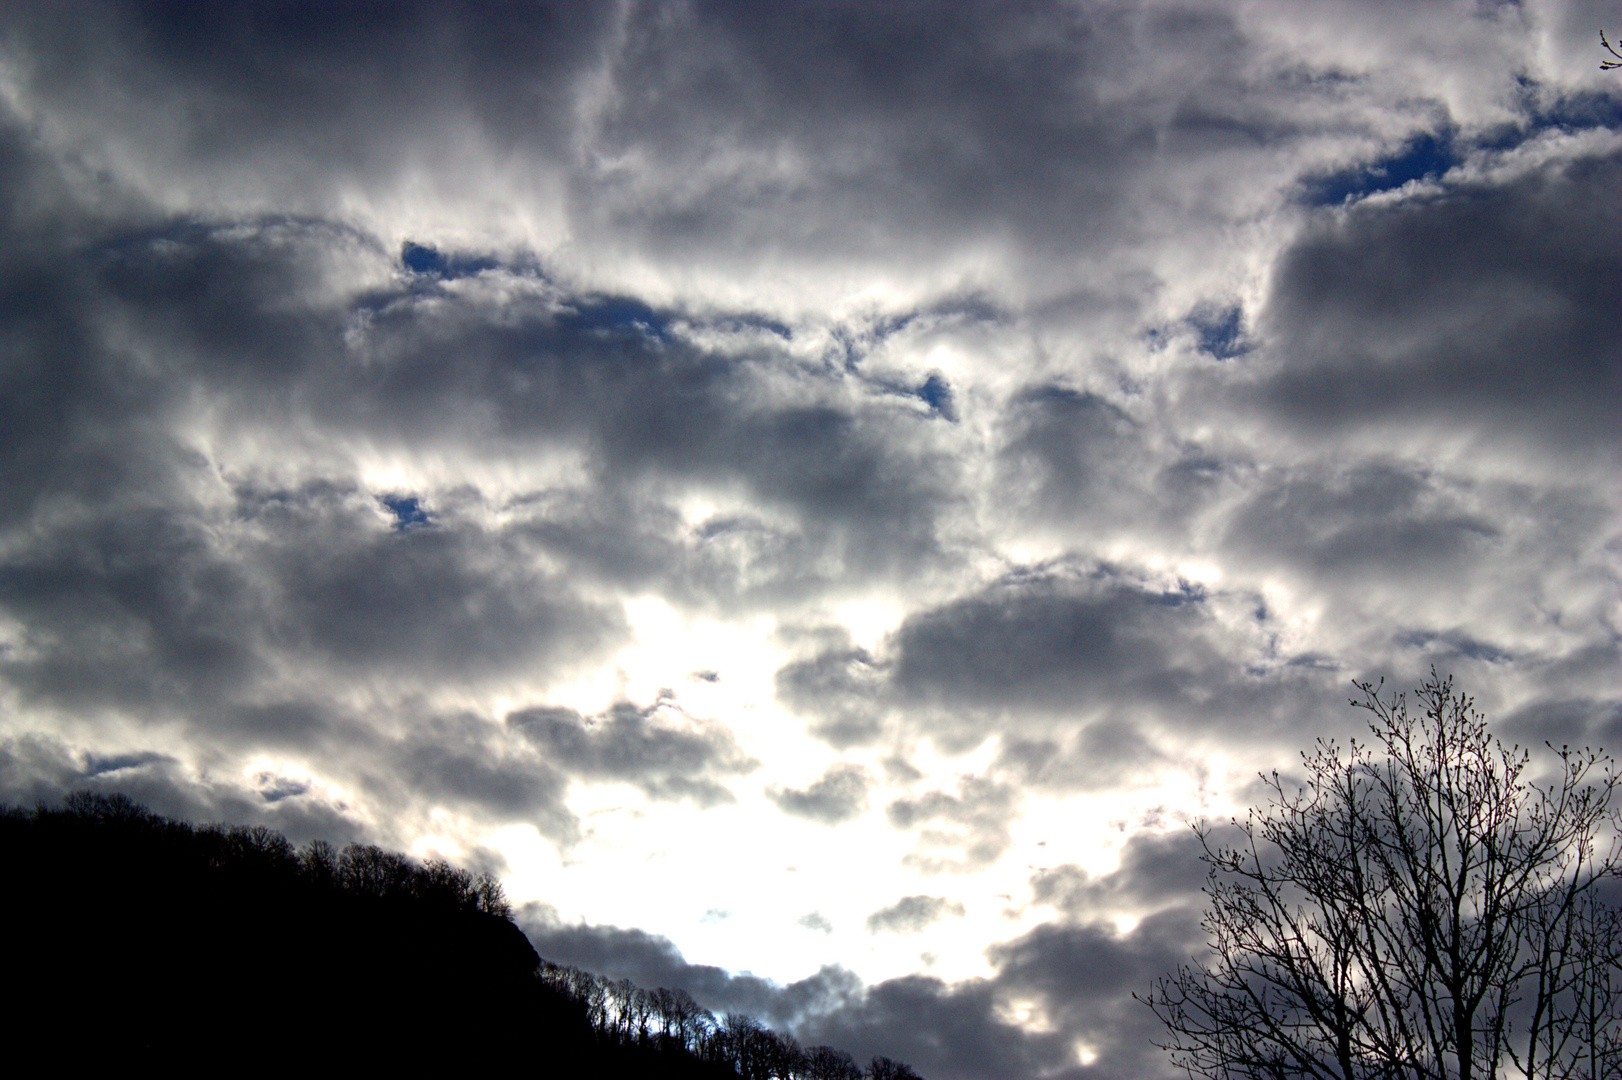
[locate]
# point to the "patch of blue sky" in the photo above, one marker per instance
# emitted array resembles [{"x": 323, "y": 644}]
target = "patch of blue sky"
[
  {"x": 1220, "y": 331},
  {"x": 1425, "y": 156},
  {"x": 1585, "y": 110},
  {"x": 1186, "y": 592},
  {"x": 276, "y": 788},
  {"x": 750, "y": 321},
  {"x": 408, "y": 512},
  {"x": 431, "y": 262},
  {"x": 936, "y": 392},
  {"x": 1454, "y": 642},
  {"x": 1428, "y": 155},
  {"x": 98, "y": 765},
  {"x": 614, "y": 314}
]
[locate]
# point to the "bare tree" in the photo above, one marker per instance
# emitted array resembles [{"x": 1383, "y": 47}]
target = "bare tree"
[
  {"x": 830, "y": 1063},
  {"x": 1607, "y": 65},
  {"x": 1430, "y": 913},
  {"x": 490, "y": 897},
  {"x": 641, "y": 1011},
  {"x": 739, "y": 1038},
  {"x": 693, "y": 1021},
  {"x": 883, "y": 1068}
]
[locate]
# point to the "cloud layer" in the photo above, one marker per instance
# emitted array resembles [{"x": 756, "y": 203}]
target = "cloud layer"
[{"x": 910, "y": 459}]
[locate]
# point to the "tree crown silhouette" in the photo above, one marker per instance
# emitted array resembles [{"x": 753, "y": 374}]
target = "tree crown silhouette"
[{"x": 1431, "y": 911}]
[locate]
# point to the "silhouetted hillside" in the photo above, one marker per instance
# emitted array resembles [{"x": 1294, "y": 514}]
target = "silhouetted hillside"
[{"x": 142, "y": 941}]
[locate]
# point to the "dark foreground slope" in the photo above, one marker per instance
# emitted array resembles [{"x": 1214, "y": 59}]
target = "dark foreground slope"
[{"x": 133, "y": 940}]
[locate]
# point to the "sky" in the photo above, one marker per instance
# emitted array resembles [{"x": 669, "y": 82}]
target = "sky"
[{"x": 818, "y": 497}]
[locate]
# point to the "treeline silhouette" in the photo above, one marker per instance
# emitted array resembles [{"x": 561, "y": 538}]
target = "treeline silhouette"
[
  {"x": 624, "y": 1014},
  {"x": 137, "y": 939}
]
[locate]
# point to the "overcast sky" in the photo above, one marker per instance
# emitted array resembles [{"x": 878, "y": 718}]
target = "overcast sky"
[{"x": 819, "y": 497}]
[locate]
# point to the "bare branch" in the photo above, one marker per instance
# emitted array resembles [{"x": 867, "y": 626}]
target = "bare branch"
[{"x": 1428, "y": 912}]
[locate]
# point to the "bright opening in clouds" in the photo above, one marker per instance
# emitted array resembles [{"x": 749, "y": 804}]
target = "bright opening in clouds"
[{"x": 817, "y": 496}]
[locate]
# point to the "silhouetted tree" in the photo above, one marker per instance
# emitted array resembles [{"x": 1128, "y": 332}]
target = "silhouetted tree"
[
  {"x": 747, "y": 1045},
  {"x": 662, "y": 1002},
  {"x": 883, "y": 1068},
  {"x": 1429, "y": 913},
  {"x": 828, "y": 1063},
  {"x": 117, "y": 808},
  {"x": 492, "y": 900},
  {"x": 320, "y": 862},
  {"x": 788, "y": 1057},
  {"x": 598, "y": 1002},
  {"x": 693, "y": 1022}
]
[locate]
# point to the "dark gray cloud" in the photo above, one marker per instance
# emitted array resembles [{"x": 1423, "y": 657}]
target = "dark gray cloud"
[
  {"x": 1067, "y": 453},
  {"x": 647, "y": 407},
  {"x": 181, "y": 605},
  {"x": 1074, "y": 654},
  {"x": 843, "y": 688},
  {"x": 39, "y": 769},
  {"x": 1068, "y": 983},
  {"x": 1110, "y": 754},
  {"x": 1073, "y": 978},
  {"x": 1371, "y": 520},
  {"x": 1056, "y": 639},
  {"x": 233, "y": 312},
  {"x": 911, "y": 914},
  {"x": 950, "y": 1031},
  {"x": 838, "y": 795},
  {"x": 639, "y": 745},
  {"x": 466, "y": 761},
  {"x": 651, "y": 960},
  {"x": 1157, "y": 870},
  {"x": 1477, "y": 312},
  {"x": 958, "y": 832},
  {"x": 290, "y": 723},
  {"x": 1088, "y": 677},
  {"x": 132, "y": 610},
  {"x": 291, "y": 101},
  {"x": 942, "y": 127},
  {"x": 457, "y": 602},
  {"x": 1570, "y": 721},
  {"x": 1084, "y": 975}
]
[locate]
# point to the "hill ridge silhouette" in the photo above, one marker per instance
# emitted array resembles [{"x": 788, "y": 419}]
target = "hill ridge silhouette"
[{"x": 139, "y": 939}]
